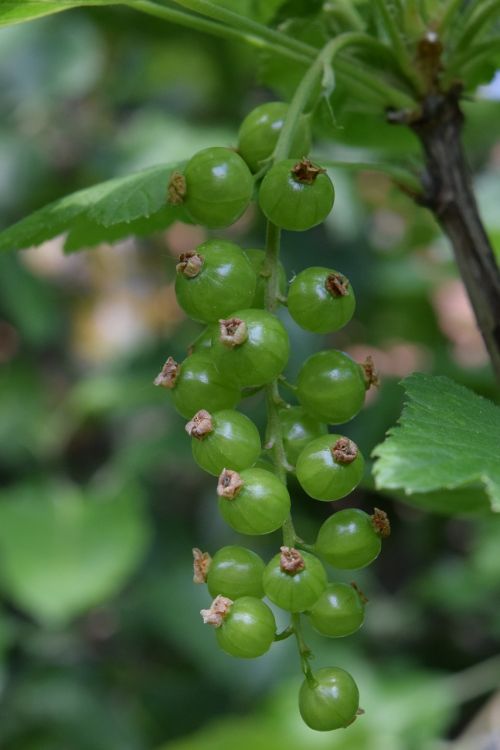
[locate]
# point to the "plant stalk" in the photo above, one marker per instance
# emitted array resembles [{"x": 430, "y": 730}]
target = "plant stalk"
[
  {"x": 309, "y": 84},
  {"x": 304, "y": 651},
  {"x": 198, "y": 23},
  {"x": 388, "y": 94},
  {"x": 398, "y": 45},
  {"x": 238, "y": 21},
  {"x": 449, "y": 194},
  {"x": 477, "y": 21},
  {"x": 274, "y": 437}
]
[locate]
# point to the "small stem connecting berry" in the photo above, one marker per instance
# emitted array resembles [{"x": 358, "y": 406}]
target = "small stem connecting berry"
[{"x": 304, "y": 650}]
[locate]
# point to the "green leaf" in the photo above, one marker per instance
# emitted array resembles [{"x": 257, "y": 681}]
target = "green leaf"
[
  {"x": 448, "y": 437},
  {"x": 18, "y": 11},
  {"x": 470, "y": 500},
  {"x": 86, "y": 233},
  {"x": 63, "y": 552},
  {"x": 102, "y": 213}
]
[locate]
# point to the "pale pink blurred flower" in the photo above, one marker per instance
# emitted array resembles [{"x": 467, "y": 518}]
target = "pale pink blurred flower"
[{"x": 457, "y": 321}]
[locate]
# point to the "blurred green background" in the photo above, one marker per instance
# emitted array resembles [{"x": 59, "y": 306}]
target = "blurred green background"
[{"x": 101, "y": 642}]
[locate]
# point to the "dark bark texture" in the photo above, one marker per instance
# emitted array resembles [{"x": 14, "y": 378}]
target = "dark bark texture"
[{"x": 448, "y": 193}]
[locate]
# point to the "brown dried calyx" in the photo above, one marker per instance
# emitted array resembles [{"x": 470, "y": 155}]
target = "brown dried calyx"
[
  {"x": 190, "y": 264},
  {"x": 371, "y": 374},
  {"x": 361, "y": 594},
  {"x": 219, "y": 609},
  {"x": 291, "y": 561},
  {"x": 201, "y": 564},
  {"x": 200, "y": 425},
  {"x": 380, "y": 522},
  {"x": 344, "y": 451},
  {"x": 176, "y": 190},
  {"x": 169, "y": 374},
  {"x": 305, "y": 171},
  {"x": 337, "y": 285},
  {"x": 229, "y": 484},
  {"x": 233, "y": 332}
]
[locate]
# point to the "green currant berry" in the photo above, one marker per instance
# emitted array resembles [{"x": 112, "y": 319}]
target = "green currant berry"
[
  {"x": 252, "y": 348},
  {"x": 331, "y": 386},
  {"x": 260, "y": 130},
  {"x": 294, "y": 580},
  {"x": 196, "y": 384},
  {"x": 225, "y": 438},
  {"x": 332, "y": 702},
  {"x": 214, "y": 280},
  {"x": 296, "y": 195},
  {"x": 351, "y": 539},
  {"x": 257, "y": 259},
  {"x": 253, "y": 501},
  {"x": 244, "y": 628},
  {"x": 218, "y": 187},
  {"x": 338, "y": 611},
  {"x": 330, "y": 467},
  {"x": 321, "y": 300},
  {"x": 298, "y": 429},
  {"x": 235, "y": 572}
]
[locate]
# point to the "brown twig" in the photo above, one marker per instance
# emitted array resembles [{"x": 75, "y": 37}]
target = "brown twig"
[{"x": 448, "y": 193}]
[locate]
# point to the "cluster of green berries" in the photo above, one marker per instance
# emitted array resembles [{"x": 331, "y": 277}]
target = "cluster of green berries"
[{"x": 244, "y": 346}]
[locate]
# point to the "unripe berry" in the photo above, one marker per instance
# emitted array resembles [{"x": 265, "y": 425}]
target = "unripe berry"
[
  {"x": 253, "y": 501},
  {"x": 330, "y": 467},
  {"x": 332, "y": 702},
  {"x": 225, "y": 438},
  {"x": 338, "y": 611},
  {"x": 244, "y": 628},
  {"x": 215, "y": 189},
  {"x": 234, "y": 572},
  {"x": 331, "y": 386},
  {"x": 252, "y": 348},
  {"x": 197, "y": 384},
  {"x": 214, "y": 280},
  {"x": 294, "y": 580},
  {"x": 296, "y": 195},
  {"x": 260, "y": 130},
  {"x": 351, "y": 539},
  {"x": 321, "y": 300}
]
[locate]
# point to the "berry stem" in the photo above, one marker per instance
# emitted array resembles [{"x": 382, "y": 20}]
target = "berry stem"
[
  {"x": 304, "y": 650},
  {"x": 317, "y": 74},
  {"x": 284, "y": 382},
  {"x": 274, "y": 437},
  {"x": 271, "y": 266},
  {"x": 230, "y": 25},
  {"x": 286, "y": 633},
  {"x": 247, "y": 392}
]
